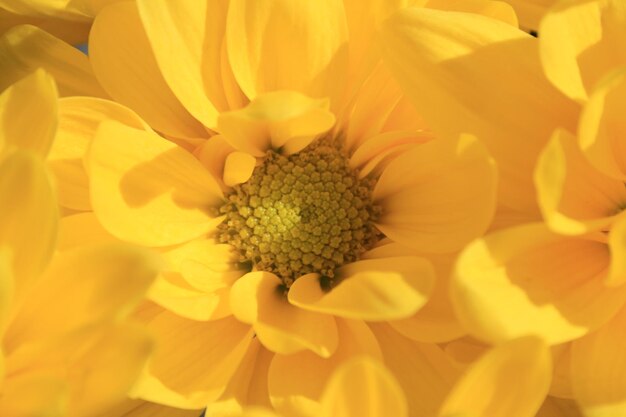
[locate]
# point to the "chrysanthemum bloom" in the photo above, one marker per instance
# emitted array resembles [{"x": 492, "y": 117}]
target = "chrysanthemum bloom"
[
  {"x": 67, "y": 349},
  {"x": 562, "y": 279}
]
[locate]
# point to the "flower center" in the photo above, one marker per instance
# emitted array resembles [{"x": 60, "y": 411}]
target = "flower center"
[{"x": 302, "y": 213}]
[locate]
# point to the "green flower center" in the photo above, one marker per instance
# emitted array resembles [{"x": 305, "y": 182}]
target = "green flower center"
[{"x": 302, "y": 213}]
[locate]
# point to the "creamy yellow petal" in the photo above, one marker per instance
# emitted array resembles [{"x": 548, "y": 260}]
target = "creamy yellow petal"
[
  {"x": 363, "y": 387},
  {"x": 435, "y": 56},
  {"x": 288, "y": 45},
  {"x": 80, "y": 118},
  {"x": 258, "y": 298},
  {"x": 82, "y": 287},
  {"x": 284, "y": 120},
  {"x": 423, "y": 370},
  {"x": 193, "y": 361},
  {"x": 26, "y": 48},
  {"x": 485, "y": 389},
  {"x": 573, "y": 196},
  {"x": 148, "y": 190},
  {"x": 28, "y": 114},
  {"x": 28, "y": 225},
  {"x": 437, "y": 196},
  {"x": 602, "y": 128},
  {"x": 527, "y": 280},
  {"x": 293, "y": 395},
  {"x": 599, "y": 370},
  {"x": 238, "y": 168},
  {"x": 186, "y": 46},
  {"x": 125, "y": 65},
  {"x": 374, "y": 290},
  {"x": 581, "y": 41}
]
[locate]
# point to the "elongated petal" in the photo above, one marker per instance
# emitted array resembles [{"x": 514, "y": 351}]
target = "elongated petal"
[
  {"x": 28, "y": 224},
  {"x": 599, "y": 370},
  {"x": 574, "y": 197},
  {"x": 125, "y": 64},
  {"x": 581, "y": 41},
  {"x": 373, "y": 290},
  {"x": 437, "y": 196},
  {"x": 193, "y": 361},
  {"x": 288, "y": 45},
  {"x": 80, "y": 118},
  {"x": 257, "y": 299},
  {"x": 450, "y": 65},
  {"x": 485, "y": 389},
  {"x": 25, "y": 48},
  {"x": 28, "y": 114},
  {"x": 527, "y": 280},
  {"x": 147, "y": 190},
  {"x": 92, "y": 284},
  {"x": 602, "y": 129}
]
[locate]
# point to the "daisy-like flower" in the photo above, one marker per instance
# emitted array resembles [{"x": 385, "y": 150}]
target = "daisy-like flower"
[
  {"x": 561, "y": 278},
  {"x": 67, "y": 349}
]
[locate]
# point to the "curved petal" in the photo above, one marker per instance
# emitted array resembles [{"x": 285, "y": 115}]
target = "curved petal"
[
  {"x": 498, "y": 10},
  {"x": 147, "y": 190},
  {"x": 363, "y": 387},
  {"x": 485, "y": 388},
  {"x": 581, "y": 41},
  {"x": 289, "y": 45},
  {"x": 573, "y": 196},
  {"x": 28, "y": 225},
  {"x": 193, "y": 361},
  {"x": 527, "y": 280},
  {"x": 238, "y": 168},
  {"x": 291, "y": 394},
  {"x": 436, "y": 55},
  {"x": 280, "y": 119},
  {"x": 28, "y": 114},
  {"x": 599, "y": 370},
  {"x": 186, "y": 39},
  {"x": 437, "y": 196},
  {"x": 72, "y": 32},
  {"x": 79, "y": 119},
  {"x": 602, "y": 128},
  {"x": 81, "y": 229},
  {"x": 124, "y": 63},
  {"x": 373, "y": 290},
  {"x": 25, "y": 48},
  {"x": 258, "y": 299}
]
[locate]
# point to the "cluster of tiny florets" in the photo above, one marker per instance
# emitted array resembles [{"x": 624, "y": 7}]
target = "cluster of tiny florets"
[{"x": 302, "y": 213}]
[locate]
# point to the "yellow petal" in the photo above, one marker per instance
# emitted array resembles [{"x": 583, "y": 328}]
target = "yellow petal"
[
  {"x": 28, "y": 114},
  {"x": 193, "y": 361},
  {"x": 238, "y": 168},
  {"x": 26, "y": 48},
  {"x": 373, "y": 290},
  {"x": 437, "y": 196},
  {"x": 140, "y": 408},
  {"x": 291, "y": 394},
  {"x": 258, "y": 299},
  {"x": 493, "y": 9},
  {"x": 485, "y": 389},
  {"x": 212, "y": 154},
  {"x": 80, "y": 118},
  {"x": 82, "y": 287},
  {"x": 34, "y": 394},
  {"x": 574, "y": 197},
  {"x": 186, "y": 41},
  {"x": 288, "y": 45},
  {"x": 126, "y": 67},
  {"x": 602, "y": 129},
  {"x": 7, "y": 286},
  {"x": 28, "y": 225},
  {"x": 147, "y": 190},
  {"x": 581, "y": 41},
  {"x": 561, "y": 373},
  {"x": 363, "y": 387},
  {"x": 80, "y": 230},
  {"x": 72, "y": 32},
  {"x": 282, "y": 119},
  {"x": 599, "y": 370},
  {"x": 423, "y": 370},
  {"x": 527, "y": 280},
  {"x": 435, "y": 55},
  {"x": 559, "y": 407},
  {"x": 530, "y": 12},
  {"x": 617, "y": 246}
]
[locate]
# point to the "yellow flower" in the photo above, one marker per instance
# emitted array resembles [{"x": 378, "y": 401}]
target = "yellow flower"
[
  {"x": 562, "y": 278},
  {"x": 66, "y": 347}
]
